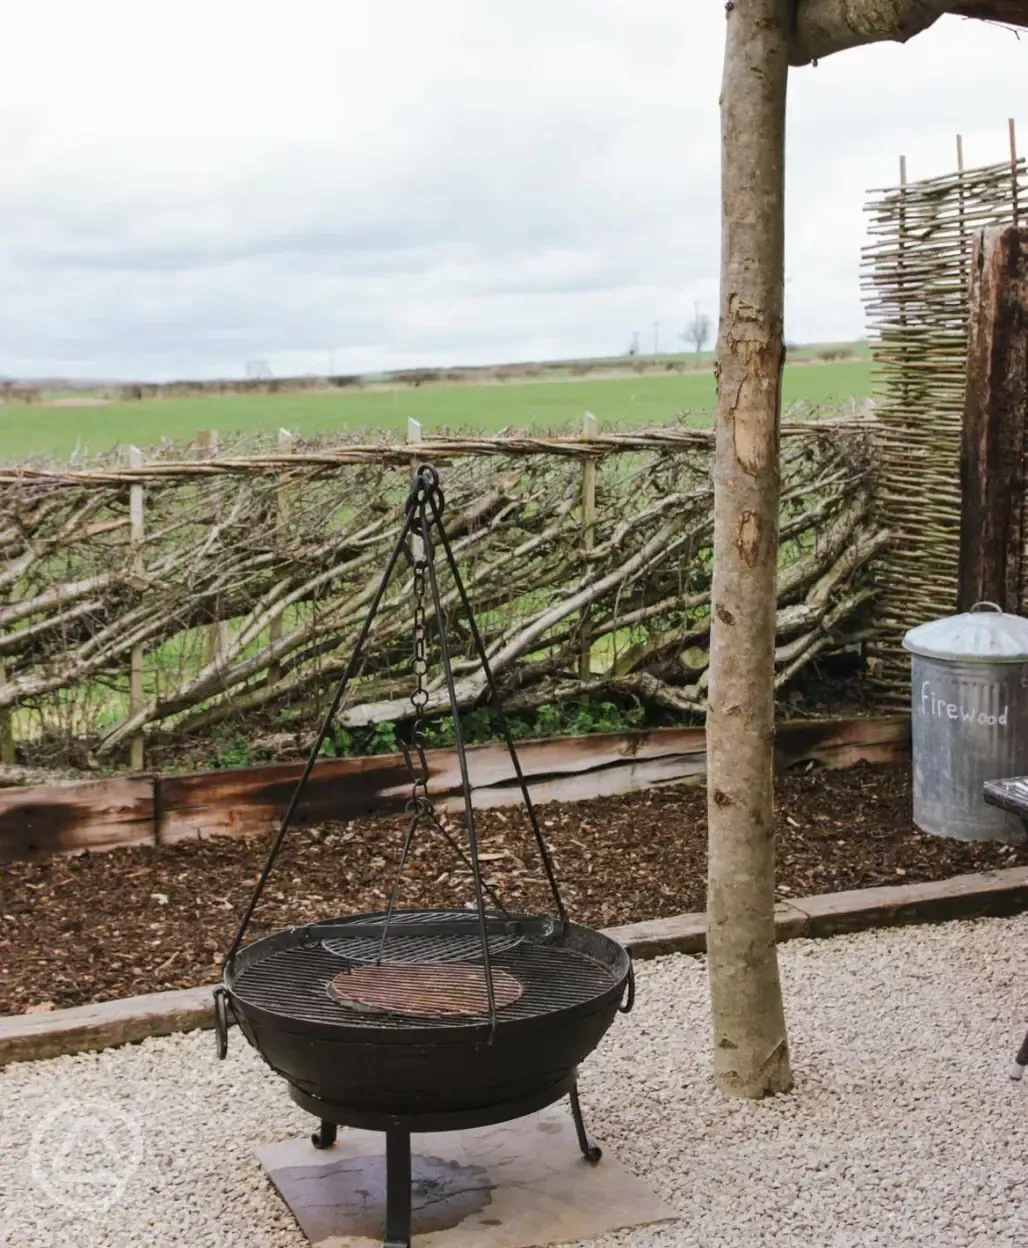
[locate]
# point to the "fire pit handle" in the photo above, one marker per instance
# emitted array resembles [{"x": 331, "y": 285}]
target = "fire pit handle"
[
  {"x": 221, "y": 1004},
  {"x": 629, "y": 998}
]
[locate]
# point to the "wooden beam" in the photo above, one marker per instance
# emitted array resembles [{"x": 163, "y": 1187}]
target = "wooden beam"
[
  {"x": 248, "y": 801},
  {"x": 58, "y": 818},
  {"x": 992, "y": 475}
]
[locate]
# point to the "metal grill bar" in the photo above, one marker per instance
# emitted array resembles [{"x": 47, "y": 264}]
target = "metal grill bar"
[{"x": 294, "y": 983}]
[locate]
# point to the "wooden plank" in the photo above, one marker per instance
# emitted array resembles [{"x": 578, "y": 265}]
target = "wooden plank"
[
  {"x": 87, "y": 1028},
  {"x": 58, "y": 818},
  {"x": 1002, "y": 892},
  {"x": 243, "y": 801},
  {"x": 250, "y": 800},
  {"x": 995, "y": 421}
]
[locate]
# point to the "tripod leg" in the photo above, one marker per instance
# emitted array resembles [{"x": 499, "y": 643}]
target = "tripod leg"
[
  {"x": 398, "y": 1195},
  {"x": 1020, "y": 1061},
  {"x": 590, "y": 1151},
  {"x": 325, "y": 1136}
]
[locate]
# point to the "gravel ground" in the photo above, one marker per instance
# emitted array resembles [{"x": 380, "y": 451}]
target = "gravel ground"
[{"x": 903, "y": 1128}]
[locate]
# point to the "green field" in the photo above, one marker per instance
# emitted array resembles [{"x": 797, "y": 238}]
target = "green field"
[{"x": 48, "y": 430}]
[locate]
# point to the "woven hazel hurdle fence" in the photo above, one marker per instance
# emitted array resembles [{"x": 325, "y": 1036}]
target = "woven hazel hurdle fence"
[
  {"x": 151, "y": 601},
  {"x": 915, "y": 277}
]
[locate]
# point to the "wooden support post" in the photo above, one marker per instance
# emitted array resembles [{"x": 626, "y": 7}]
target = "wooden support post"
[
  {"x": 136, "y": 658},
  {"x": 209, "y": 441},
  {"x": 962, "y": 210},
  {"x": 285, "y": 447},
  {"x": 1013, "y": 169},
  {"x": 588, "y": 541},
  {"x": 901, "y": 266},
  {"x": 413, "y": 437},
  {"x": 992, "y": 475},
  {"x": 7, "y": 755}
]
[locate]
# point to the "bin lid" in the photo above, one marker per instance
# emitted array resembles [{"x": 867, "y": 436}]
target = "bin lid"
[{"x": 986, "y": 633}]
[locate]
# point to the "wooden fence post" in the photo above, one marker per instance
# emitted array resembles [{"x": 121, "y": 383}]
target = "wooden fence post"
[
  {"x": 136, "y": 658},
  {"x": 588, "y": 541},
  {"x": 208, "y": 441},
  {"x": 285, "y": 447},
  {"x": 7, "y": 756},
  {"x": 413, "y": 437},
  {"x": 992, "y": 476}
]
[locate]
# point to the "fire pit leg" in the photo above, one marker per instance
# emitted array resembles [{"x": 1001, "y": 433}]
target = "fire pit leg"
[
  {"x": 398, "y": 1180},
  {"x": 590, "y": 1151},
  {"x": 325, "y": 1136},
  {"x": 1021, "y": 1061}
]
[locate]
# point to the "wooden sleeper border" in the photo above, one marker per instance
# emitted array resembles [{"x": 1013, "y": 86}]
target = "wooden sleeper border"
[{"x": 145, "y": 809}]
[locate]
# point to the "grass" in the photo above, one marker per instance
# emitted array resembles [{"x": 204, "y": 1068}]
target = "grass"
[{"x": 56, "y": 431}]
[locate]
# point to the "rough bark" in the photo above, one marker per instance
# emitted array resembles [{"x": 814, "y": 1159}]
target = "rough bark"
[
  {"x": 995, "y": 421},
  {"x": 751, "y": 1052},
  {"x": 826, "y": 26}
]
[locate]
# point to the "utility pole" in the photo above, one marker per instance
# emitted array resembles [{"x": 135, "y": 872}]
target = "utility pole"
[{"x": 656, "y": 337}]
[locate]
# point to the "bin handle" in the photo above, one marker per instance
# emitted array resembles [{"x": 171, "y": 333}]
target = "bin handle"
[{"x": 993, "y": 606}]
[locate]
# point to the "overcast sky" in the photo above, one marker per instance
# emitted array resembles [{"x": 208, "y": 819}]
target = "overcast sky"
[{"x": 187, "y": 186}]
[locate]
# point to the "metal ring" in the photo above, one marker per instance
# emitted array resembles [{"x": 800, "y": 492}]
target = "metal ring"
[
  {"x": 221, "y": 1021},
  {"x": 986, "y": 603}
]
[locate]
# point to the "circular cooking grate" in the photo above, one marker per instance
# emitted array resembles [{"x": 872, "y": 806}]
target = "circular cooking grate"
[
  {"x": 424, "y": 990},
  {"x": 402, "y": 950},
  {"x": 410, "y": 948}
]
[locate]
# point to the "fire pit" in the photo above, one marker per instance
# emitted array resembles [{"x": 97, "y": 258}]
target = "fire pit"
[{"x": 431, "y": 1020}]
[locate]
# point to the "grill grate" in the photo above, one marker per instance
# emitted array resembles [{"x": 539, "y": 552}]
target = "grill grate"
[
  {"x": 294, "y": 983},
  {"x": 405, "y": 948}
]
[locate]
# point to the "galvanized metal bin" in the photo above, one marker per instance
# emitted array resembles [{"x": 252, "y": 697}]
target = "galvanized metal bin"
[{"x": 969, "y": 720}]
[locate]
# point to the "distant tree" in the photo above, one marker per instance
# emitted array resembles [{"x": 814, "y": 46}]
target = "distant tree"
[{"x": 698, "y": 330}]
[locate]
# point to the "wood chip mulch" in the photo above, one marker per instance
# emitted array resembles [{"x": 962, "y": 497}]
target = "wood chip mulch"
[{"x": 99, "y": 926}]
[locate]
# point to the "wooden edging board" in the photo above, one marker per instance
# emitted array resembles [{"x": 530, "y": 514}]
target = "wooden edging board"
[
  {"x": 162, "y": 809},
  {"x": 32, "y": 1037}
]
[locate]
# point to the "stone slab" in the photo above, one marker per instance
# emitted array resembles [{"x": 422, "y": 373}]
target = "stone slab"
[{"x": 521, "y": 1184}]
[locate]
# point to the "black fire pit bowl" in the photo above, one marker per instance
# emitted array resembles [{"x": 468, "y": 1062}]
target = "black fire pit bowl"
[{"x": 374, "y": 1061}]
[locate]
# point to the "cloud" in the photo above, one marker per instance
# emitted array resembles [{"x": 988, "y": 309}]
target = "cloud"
[{"x": 188, "y": 186}]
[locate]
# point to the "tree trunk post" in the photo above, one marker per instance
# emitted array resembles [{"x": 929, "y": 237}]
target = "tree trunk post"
[
  {"x": 751, "y": 1052},
  {"x": 136, "y": 757},
  {"x": 285, "y": 447},
  {"x": 992, "y": 475},
  {"x": 588, "y": 541}
]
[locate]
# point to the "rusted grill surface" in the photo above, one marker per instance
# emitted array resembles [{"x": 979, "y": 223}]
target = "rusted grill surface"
[
  {"x": 294, "y": 983},
  {"x": 424, "y": 990}
]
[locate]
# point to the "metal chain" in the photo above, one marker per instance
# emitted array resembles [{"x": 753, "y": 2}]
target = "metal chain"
[{"x": 419, "y": 801}]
